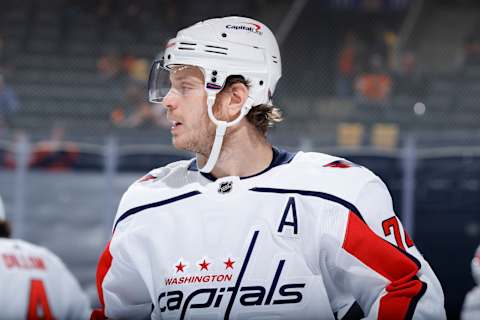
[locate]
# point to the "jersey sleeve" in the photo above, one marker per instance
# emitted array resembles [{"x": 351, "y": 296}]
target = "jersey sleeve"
[
  {"x": 380, "y": 277},
  {"x": 376, "y": 207},
  {"x": 121, "y": 289}
]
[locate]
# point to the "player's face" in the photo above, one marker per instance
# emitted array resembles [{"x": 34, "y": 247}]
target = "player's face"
[{"x": 186, "y": 104}]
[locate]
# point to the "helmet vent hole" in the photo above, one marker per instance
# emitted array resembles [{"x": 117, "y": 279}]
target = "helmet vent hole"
[
  {"x": 216, "y": 52},
  {"x": 224, "y": 35},
  {"x": 187, "y": 46},
  {"x": 168, "y": 57},
  {"x": 261, "y": 82},
  {"x": 216, "y": 47}
]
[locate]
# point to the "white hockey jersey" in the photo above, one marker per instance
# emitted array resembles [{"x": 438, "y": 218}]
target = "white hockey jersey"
[
  {"x": 471, "y": 304},
  {"x": 291, "y": 242},
  {"x": 35, "y": 284}
]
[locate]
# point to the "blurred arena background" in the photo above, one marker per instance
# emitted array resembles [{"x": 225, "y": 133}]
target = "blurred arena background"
[{"x": 390, "y": 84}]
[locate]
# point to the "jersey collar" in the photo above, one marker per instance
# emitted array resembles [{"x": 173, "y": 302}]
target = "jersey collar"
[{"x": 279, "y": 157}]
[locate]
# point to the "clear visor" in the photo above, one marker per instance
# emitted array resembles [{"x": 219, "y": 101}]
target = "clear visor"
[{"x": 179, "y": 80}]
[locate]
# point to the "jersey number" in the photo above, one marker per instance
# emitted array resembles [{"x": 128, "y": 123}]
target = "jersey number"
[
  {"x": 392, "y": 223},
  {"x": 38, "y": 307}
]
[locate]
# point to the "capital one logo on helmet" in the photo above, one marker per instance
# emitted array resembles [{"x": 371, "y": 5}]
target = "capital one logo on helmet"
[{"x": 247, "y": 26}]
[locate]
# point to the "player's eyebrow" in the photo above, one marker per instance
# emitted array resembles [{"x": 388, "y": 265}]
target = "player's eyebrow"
[
  {"x": 182, "y": 73},
  {"x": 186, "y": 78}
]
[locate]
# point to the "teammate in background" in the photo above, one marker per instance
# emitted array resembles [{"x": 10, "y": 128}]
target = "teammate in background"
[
  {"x": 471, "y": 305},
  {"x": 35, "y": 284},
  {"x": 246, "y": 230}
]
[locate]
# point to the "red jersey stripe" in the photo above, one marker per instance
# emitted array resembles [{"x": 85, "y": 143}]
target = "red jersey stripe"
[
  {"x": 405, "y": 289},
  {"x": 103, "y": 266}
]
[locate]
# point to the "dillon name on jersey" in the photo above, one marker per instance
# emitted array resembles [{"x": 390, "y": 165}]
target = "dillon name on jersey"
[{"x": 272, "y": 246}]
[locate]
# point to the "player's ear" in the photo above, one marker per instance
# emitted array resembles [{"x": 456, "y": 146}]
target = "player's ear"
[{"x": 238, "y": 97}]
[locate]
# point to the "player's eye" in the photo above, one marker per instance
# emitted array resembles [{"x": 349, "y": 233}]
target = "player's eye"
[{"x": 186, "y": 89}]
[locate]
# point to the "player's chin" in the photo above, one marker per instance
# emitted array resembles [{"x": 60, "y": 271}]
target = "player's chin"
[
  {"x": 176, "y": 142},
  {"x": 179, "y": 143}
]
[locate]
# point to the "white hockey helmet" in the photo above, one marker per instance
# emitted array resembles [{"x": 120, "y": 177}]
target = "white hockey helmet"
[
  {"x": 476, "y": 266},
  {"x": 222, "y": 47}
]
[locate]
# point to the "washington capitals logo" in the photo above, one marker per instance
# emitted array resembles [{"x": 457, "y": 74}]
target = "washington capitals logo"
[
  {"x": 247, "y": 26},
  {"x": 213, "y": 296}
]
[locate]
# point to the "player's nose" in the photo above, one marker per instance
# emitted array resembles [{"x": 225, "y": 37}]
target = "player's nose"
[{"x": 170, "y": 101}]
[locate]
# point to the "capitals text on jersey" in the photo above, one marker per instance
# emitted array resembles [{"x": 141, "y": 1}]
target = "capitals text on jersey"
[{"x": 250, "y": 296}]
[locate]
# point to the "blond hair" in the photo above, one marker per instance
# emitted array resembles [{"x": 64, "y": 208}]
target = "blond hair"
[{"x": 262, "y": 116}]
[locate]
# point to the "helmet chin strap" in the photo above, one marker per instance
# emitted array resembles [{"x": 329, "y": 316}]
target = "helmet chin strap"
[{"x": 220, "y": 131}]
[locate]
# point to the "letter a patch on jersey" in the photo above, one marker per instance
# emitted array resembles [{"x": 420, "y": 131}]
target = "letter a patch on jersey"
[{"x": 289, "y": 222}]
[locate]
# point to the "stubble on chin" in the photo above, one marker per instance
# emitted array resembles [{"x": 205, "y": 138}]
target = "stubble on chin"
[{"x": 201, "y": 143}]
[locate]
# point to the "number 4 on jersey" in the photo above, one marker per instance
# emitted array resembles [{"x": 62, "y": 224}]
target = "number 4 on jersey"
[{"x": 38, "y": 307}]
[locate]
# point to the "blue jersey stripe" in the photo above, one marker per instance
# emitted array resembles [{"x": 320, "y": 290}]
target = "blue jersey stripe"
[
  {"x": 240, "y": 275},
  {"x": 154, "y": 205},
  {"x": 317, "y": 194}
]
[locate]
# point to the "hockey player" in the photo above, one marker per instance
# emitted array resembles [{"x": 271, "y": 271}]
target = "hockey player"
[
  {"x": 471, "y": 305},
  {"x": 35, "y": 284},
  {"x": 246, "y": 230}
]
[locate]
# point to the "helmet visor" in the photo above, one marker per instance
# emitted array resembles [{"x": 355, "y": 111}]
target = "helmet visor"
[
  {"x": 158, "y": 82},
  {"x": 175, "y": 80}
]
